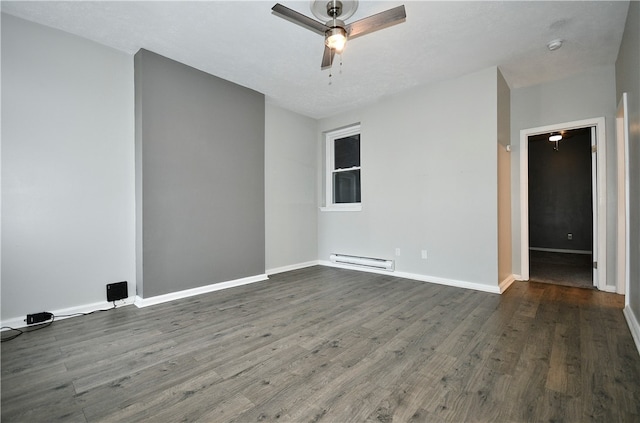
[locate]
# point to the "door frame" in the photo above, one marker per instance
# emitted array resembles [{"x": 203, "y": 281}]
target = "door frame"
[
  {"x": 599, "y": 174},
  {"x": 622, "y": 164}
]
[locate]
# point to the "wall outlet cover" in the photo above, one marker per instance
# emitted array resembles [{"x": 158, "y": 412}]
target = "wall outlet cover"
[{"x": 117, "y": 291}]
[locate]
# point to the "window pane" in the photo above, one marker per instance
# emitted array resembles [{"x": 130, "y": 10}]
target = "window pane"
[
  {"x": 347, "y": 152},
  {"x": 346, "y": 186}
]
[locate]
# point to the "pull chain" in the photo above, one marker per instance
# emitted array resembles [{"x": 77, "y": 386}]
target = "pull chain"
[{"x": 331, "y": 70}]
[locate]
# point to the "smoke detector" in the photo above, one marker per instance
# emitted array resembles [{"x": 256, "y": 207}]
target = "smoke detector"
[{"x": 554, "y": 44}]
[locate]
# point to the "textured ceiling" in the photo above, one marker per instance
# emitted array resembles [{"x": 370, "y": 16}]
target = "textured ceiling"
[{"x": 243, "y": 42}]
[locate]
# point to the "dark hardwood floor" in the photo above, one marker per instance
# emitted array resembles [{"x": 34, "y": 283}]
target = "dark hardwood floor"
[{"x": 324, "y": 344}]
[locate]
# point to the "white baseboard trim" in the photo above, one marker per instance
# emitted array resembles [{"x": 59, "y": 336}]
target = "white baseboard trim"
[
  {"x": 67, "y": 313},
  {"x": 291, "y": 267},
  {"x": 634, "y": 326},
  {"x": 610, "y": 288},
  {"x": 359, "y": 268},
  {"x": 559, "y": 250},
  {"x": 158, "y": 299},
  {"x": 451, "y": 282},
  {"x": 518, "y": 278},
  {"x": 506, "y": 283},
  {"x": 422, "y": 278}
]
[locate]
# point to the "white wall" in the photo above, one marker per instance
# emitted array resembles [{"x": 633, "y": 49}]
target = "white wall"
[
  {"x": 68, "y": 224},
  {"x": 589, "y": 94},
  {"x": 429, "y": 181},
  {"x": 290, "y": 189},
  {"x": 505, "y": 273},
  {"x": 628, "y": 80}
]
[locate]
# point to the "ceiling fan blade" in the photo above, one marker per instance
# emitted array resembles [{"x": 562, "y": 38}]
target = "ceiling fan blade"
[
  {"x": 300, "y": 19},
  {"x": 327, "y": 57},
  {"x": 375, "y": 22}
]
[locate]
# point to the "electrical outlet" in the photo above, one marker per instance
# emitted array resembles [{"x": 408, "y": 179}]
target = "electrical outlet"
[
  {"x": 424, "y": 254},
  {"x": 569, "y": 236},
  {"x": 397, "y": 252}
]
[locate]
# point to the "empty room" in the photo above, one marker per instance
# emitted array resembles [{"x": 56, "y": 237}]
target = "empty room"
[{"x": 320, "y": 211}]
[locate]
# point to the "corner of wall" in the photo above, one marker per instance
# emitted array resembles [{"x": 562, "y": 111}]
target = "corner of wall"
[{"x": 137, "y": 63}]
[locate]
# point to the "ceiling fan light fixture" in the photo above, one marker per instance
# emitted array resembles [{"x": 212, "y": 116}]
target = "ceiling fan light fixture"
[
  {"x": 555, "y": 138},
  {"x": 336, "y": 38}
]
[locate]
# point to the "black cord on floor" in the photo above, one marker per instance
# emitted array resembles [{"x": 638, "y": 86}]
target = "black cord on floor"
[
  {"x": 33, "y": 328},
  {"x": 14, "y": 336},
  {"x": 86, "y": 314}
]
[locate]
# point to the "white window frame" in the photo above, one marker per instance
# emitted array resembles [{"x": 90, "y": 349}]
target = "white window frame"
[{"x": 330, "y": 138}]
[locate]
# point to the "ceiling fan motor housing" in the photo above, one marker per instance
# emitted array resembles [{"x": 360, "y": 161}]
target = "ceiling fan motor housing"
[
  {"x": 331, "y": 9},
  {"x": 334, "y": 8}
]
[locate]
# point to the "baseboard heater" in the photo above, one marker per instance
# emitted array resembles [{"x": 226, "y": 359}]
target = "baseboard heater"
[{"x": 374, "y": 263}]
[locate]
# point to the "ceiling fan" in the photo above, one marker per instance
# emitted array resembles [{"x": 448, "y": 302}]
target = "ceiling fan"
[{"x": 335, "y": 31}]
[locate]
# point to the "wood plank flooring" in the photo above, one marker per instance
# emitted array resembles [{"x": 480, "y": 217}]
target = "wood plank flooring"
[{"x": 331, "y": 345}]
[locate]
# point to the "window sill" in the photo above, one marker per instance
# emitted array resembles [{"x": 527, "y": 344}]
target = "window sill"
[{"x": 345, "y": 208}]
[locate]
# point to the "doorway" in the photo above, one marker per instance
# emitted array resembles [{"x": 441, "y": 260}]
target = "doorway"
[
  {"x": 561, "y": 212},
  {"x": 597, "y": 126}
]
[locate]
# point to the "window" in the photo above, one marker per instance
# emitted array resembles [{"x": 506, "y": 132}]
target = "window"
[{"x": 343, "y": 191}]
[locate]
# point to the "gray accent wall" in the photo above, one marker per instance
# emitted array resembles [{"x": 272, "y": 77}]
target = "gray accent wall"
[{"x": 199, "y": 177}]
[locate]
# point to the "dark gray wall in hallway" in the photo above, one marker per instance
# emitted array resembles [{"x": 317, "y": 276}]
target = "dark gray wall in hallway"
[
  {"x": 560, "y": 197},
  {"x": 199, "y": 177}
]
